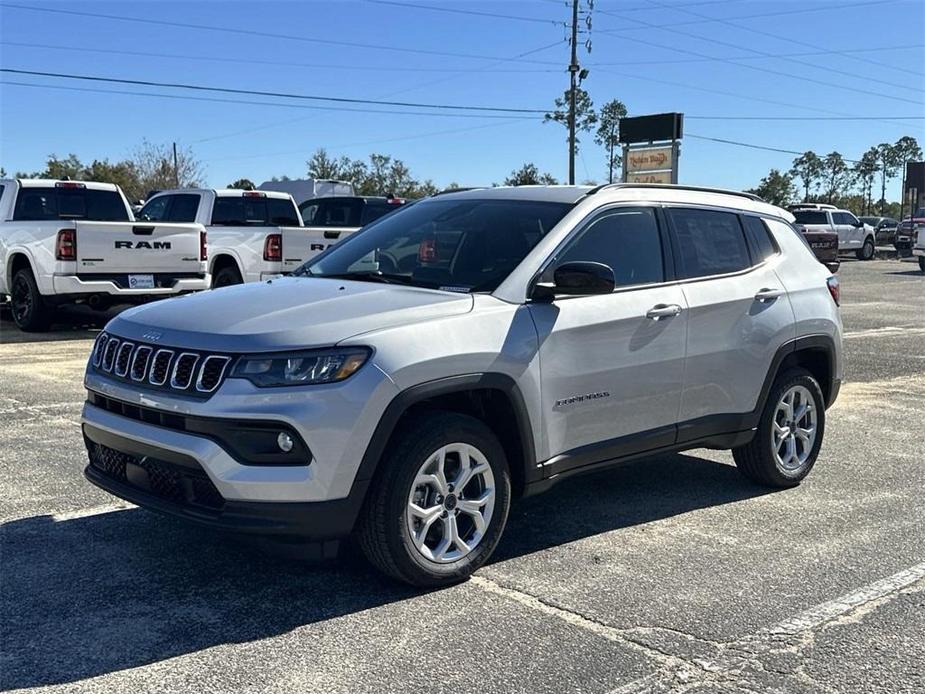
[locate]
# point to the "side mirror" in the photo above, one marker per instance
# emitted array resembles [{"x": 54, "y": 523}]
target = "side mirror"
[{"x": 576, "y": 279}]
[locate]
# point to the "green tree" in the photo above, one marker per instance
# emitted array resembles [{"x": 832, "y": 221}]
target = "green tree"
[
  {"x": 836, "y": 173},
  {"x": 865, "y": 170},
  {"x": 608, "y": 134},
  {"x": 242, "y": 184},
  {"x": 585, "y": 117},
  {"x": 887, "y": 166},
  {"x": 527, "y": 175},
  {"x": 322, "y": 166},
  {"x": 907, "y": 149},
  {"x": 776, "y": 188},
  {"x": 808, "y": 168}
]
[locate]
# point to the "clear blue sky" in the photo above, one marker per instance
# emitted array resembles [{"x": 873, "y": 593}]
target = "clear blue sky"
[{"x": 648, "y": 53}]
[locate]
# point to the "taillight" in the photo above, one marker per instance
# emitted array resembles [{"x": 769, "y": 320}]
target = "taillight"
[
  {"x": 203, "y": 246},
  {"x": 427, "y": 251},
  {"x": 66, "y": 245},
  {"x": 273, "y": 247},
  {"x": 834, "y": 289}
]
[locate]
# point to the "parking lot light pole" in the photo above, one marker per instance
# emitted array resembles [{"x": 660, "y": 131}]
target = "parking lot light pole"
[{"x": 573, "y": 76}]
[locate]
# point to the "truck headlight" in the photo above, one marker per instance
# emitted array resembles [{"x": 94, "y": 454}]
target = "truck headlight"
[{"x": 303, "y": 368}]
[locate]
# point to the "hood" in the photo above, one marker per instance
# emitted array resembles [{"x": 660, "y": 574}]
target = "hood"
[{"x": 285, "y": 313}]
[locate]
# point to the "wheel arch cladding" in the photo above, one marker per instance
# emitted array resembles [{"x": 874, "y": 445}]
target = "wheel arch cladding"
[
  {"x": 223, "y": 260},
  {"x": 492, "y": 398},
  {"x": 816, "y": 354}
]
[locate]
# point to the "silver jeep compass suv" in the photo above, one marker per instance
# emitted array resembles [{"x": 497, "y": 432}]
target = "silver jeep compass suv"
[{"x": 410, "y": 382}]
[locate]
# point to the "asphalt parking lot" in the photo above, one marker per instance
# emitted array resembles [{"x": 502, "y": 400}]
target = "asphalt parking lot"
[{"x": 671, "y": 574}]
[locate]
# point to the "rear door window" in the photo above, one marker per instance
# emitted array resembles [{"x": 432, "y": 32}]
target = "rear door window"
[
  {"x": 228, "y": 212},
  {"x": 709, "y": 242},
  {"x": 183, "y": 208},
  {"x": 759, "y": 238},
  {"x": 338, "y": 213},
  {"x": 155, "y": 210}
]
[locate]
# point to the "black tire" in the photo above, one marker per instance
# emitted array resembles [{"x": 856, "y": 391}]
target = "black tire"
[
  {"x": 383, "y": 531},
  {"x": 866, "y": 252},
  {"x": 226, "y": 277},
  {"x": 922, "y": 263},
  {"x": 30, "y": 313},
  {"x": 757, "y": 460}
]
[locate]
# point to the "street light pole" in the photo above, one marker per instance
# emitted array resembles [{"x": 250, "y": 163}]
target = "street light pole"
[{"x": 573, "y": 76}]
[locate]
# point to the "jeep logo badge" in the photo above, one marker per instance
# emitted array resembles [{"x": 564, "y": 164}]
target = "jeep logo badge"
[{"x": 152, "y": 336}]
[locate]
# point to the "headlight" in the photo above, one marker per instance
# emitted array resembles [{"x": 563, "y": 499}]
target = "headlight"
[{"x": 303, "y": 368}]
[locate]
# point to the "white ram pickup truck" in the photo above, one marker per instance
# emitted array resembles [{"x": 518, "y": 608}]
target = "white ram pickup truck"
[
  {"x": 254, "y": 235},
  {"x": 76, "y": 242}
]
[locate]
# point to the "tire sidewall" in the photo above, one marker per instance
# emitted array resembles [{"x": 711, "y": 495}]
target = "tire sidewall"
[
  {"x": 457, "y": 429},
  {"x": 230, "y": 276},
  {"x": 795, "y": 377},
  {"x": 33, "y": 318},
  {"x": 867, "y": 250}
]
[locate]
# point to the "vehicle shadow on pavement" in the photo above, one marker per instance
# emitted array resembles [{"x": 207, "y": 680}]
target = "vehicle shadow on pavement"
[
  {"x": 96, "y": 594},
  {"x": 71, "y": 323}
]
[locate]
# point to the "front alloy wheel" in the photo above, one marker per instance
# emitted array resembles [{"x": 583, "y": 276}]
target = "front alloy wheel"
[
  {"x": 451, "y": 503},
  {"x": 439, "y": 501}
]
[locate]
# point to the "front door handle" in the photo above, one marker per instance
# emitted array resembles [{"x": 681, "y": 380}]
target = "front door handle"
[
  {"x": 766, "y": 295},
  {"x": 663, "y": 311}
]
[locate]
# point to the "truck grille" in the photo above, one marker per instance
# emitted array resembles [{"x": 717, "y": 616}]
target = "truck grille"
[
  {"x": 162, "y": 368},
  {"x": 175, "y": 483}
]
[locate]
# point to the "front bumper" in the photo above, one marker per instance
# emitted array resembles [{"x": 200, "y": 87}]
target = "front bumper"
[{"x": 175, "y": 484}]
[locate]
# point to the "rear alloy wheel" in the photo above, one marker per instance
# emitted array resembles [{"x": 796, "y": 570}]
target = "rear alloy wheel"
[
  {"x": 29, "y": 311},
  {"x": 789, "y": 435},
  {"x": 439, "y": 502},
  {"x": 866, "y": 252}
]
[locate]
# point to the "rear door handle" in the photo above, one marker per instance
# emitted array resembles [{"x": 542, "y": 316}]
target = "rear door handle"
[
  {"x": 663, "y": 311},
  {"x": 765, "y": 295}
]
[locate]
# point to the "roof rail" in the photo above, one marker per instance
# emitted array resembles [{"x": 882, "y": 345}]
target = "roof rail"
[
  {"x": 457, "y": 190},
  {"x": 675, "y": 186}
]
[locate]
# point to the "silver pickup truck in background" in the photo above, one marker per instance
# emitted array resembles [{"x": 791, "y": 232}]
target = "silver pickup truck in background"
[
  {"x": 76, "y": 242},
  {"x": 254, "y": 235}
]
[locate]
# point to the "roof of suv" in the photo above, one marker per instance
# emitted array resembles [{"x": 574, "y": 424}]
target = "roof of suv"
[{"x": 624, "y": 191}]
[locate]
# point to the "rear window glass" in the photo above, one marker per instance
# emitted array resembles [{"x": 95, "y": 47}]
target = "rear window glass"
[
  {"x": 710, "y": 243},
  {"x": 810, "y": 217},
  {"x": 374, "y": 210},
  {"x": 253, "y": 211},
  {"x": 35, "y": 204}
]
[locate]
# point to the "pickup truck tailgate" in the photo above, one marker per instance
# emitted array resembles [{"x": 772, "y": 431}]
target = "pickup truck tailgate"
[
  {"x": 138, "y": 247},
  {"x": 304, "y": 243}
]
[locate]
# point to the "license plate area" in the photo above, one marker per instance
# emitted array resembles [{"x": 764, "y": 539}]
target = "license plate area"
[{"x": 141, "y": 281}]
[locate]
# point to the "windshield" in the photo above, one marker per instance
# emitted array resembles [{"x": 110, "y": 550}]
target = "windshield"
[{"x": 457, "y": 245}]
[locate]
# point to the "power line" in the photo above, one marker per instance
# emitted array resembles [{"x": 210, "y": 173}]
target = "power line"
[
  {"x": 262, "y": 34},
  {"x": 790, "y": 39},
  {"x": 734, "y": 61},
  {"x": 805, "y": 118},
  {"x": 277, "y": 104},
  {"x": 879, "y": 49},
  {"x": 253, "y": 61},
  {"x": 476, "y": 13},
  {"x": 283, "y": 95},
  {"x": 752, "y": 146}
]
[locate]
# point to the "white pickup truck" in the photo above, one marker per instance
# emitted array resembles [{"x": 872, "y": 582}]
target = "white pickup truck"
[
  {"x": 77, "y": 242},
  {"x": 254, "y": 235}
]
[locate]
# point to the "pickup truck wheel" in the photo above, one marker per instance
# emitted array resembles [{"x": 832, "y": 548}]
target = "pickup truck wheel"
[
  {"x": 866, "y": 252},
  {"x": 787, "y": 442},
  {"x": 226, "y": 277},
  {"x": 922, "y": 263},
  {"x": 439, "y": 504},
  {"x": 28, "y": 307}
]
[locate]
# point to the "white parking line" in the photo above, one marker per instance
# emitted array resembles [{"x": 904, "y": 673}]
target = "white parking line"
[
  {"x": 817, "y": 616},
  {"x": 890, "y": 330}
]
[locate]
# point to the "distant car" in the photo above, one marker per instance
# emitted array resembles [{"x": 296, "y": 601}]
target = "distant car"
[
  {"x": 853, "y": 234},
  {"x": 907, "y": 230},
  {"x": 884, "y": 228}
]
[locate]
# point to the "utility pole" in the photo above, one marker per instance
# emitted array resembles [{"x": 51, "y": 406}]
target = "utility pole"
[
  {"x": 176, "y": 167},
  {"x": 573, "y": 76}
]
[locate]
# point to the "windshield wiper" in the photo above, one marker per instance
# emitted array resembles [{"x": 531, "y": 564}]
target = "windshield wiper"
[{"x": 367, "y": 276}]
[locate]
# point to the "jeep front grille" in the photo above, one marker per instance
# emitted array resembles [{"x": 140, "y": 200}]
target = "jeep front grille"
[{"x": 163, "y": 368}]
